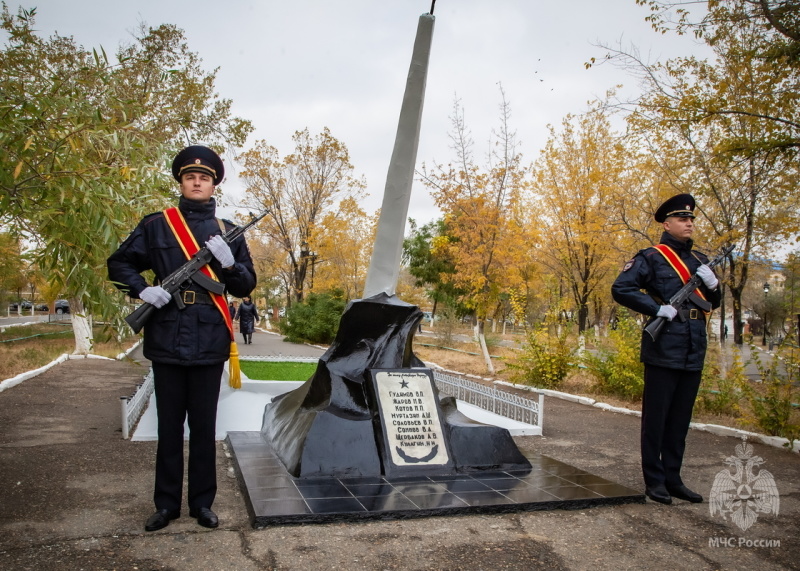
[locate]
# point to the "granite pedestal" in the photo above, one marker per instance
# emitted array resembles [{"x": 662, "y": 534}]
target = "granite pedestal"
[{"x": 274, "y": 497}]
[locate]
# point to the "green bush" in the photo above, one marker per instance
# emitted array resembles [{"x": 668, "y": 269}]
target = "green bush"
[
  {"x": 315, "y": 320},
  {"x": 722, "y": 385},
  {"x": 444, "y": 327},
  {"x": 615, "y": 365},
  {"x": 545, "y": 361},
  {"x": 772, "y": 404}
]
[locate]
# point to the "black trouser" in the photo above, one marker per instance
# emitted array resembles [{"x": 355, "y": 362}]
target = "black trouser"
[
  {"x": 667, "y": 404},
  {"x": 183, "y": 392}
]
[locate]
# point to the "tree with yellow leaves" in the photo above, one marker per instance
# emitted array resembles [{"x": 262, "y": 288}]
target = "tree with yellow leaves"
[
  {"x": 576, "y": 184},
  {"x": 273, "y": 271},
  {"x": 12, "y": 269},
  {"x": 300, "y": 190},
  {"x": 487, "y": 230},
  {"x": 726, "y": 131},
  {"x": 340, "y": 250}
]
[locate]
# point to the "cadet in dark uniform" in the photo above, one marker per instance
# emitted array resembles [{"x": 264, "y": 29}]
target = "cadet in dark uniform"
[
  {"x": 188, "y": 348},
  {"x": 673, "y": 363}
]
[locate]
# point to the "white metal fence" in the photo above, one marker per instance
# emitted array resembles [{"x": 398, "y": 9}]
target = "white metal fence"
[
  {"x": 488, "y": 398},
  {"x": 491, "y": 399},
  {"x": 133, "y": 407}
]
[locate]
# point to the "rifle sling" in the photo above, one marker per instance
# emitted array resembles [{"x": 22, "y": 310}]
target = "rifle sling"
[{"x": 703, "y": 304}]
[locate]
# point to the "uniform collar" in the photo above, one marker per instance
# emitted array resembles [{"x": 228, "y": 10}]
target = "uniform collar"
[
  {"x": 197, "y": 211},
  {"x": 675, "y": 244}
]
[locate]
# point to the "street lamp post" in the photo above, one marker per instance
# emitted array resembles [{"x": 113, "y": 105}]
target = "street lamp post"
[
  {"x": 313, "y": 256},
  {"x": 307, "y": 254},
  {"x": 766, "y": 291}
]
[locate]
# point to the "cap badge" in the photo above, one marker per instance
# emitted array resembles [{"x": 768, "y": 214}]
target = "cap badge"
[{"x": 197, "y": 162}]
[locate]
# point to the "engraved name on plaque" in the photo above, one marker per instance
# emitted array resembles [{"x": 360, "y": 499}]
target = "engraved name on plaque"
[{"x": 412, "y": 427}]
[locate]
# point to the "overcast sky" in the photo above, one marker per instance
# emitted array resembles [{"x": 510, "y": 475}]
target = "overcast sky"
[{"x": 295, "y": 64}]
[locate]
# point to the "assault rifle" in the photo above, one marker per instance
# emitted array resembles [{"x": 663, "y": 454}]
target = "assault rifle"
[
  {"x": 676, "y": 301},
  {"x": 190, "y": 271}
]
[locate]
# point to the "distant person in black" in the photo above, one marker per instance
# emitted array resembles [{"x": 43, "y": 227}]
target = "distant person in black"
[
  {"x": 673, "y": 364},
  {"x": 248, "y": 317},
  {"x": 187, "y": 347}
]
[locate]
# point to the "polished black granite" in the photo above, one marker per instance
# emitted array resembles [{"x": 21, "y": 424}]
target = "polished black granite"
[{"x": 274, "y": 497}]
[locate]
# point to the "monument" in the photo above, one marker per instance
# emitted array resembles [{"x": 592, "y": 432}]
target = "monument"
[
  {"x": 371, "y": 417},
  {"x": 341, "y": 422},
  {"x": 352, "y": 417}
]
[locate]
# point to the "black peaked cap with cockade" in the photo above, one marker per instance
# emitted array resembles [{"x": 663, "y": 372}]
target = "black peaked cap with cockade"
[
  {"x": 198, "y": 158},
  {"x": 679, "y": 205}
]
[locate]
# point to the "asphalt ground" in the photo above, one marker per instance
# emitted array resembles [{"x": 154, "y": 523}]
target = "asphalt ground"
[{"x": 75, "y": 495}]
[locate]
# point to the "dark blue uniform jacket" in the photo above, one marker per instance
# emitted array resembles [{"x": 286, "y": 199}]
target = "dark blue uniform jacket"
[
  {"x": 649, "y": 281},
  {"x": 198, "y": 334}
]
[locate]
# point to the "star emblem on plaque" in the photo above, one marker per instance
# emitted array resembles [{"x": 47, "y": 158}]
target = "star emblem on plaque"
[{"x": 413, "y": 433}]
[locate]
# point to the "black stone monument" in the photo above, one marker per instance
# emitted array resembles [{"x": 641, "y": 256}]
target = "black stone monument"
[
  {"x": 366, "y": 437},
  {"x": 337, "y": 424}
]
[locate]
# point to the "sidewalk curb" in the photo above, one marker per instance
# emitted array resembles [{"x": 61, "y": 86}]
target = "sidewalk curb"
[
  {"x": 719, "y": 430},
  {"x": 14, "y": 381}
]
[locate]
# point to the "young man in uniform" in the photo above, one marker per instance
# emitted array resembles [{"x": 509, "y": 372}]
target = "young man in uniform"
[
  {"x": 187, "y": 347},
  {"x": 673, "y": 364}
]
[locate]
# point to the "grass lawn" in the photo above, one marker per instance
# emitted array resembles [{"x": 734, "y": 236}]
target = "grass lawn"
[
  {"x": 277, "y": 371},
  {"x": 29, "y": 347}
]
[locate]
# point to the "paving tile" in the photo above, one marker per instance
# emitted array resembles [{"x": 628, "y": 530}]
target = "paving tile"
[{"x": 274, "y": 497}]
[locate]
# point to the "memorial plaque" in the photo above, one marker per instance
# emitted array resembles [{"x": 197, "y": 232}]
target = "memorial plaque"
[{"x": 414, "y": 439}]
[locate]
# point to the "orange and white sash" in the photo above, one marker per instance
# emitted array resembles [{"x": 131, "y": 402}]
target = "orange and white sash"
[{"x": 188, "y": 243}]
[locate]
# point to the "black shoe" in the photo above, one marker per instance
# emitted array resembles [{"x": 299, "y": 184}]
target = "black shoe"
[
  {"x": 161, "y": 519},
  {"x": 658, "y": 494},
  {"x": 205, "y": 517},
  {"x": 683, "y": 493}
]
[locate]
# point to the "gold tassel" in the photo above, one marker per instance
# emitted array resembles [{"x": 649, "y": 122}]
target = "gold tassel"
[{"x": 234, "y": 372}]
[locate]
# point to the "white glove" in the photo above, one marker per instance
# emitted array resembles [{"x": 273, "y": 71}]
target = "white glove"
[
  {"x": 222, "y": 252},
  {"x": 667, "y": 311},
  {"x": 155, "y": 295},
  {"x": 707, "y": 275}
]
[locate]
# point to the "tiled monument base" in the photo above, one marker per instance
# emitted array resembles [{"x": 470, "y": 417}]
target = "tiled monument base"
[{"x": 274, "y": 497}]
